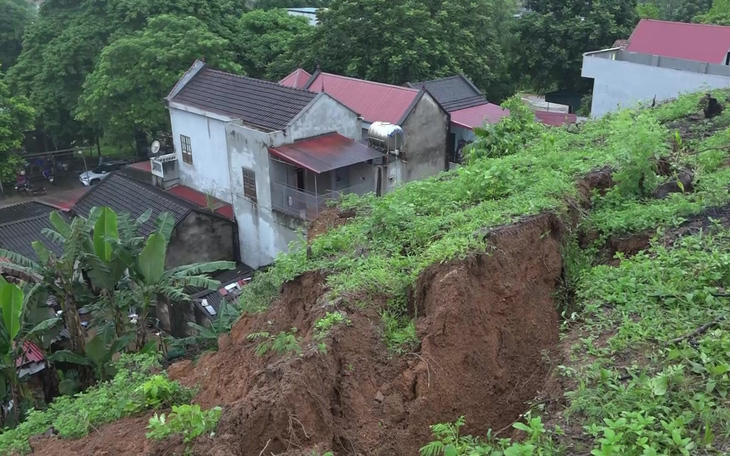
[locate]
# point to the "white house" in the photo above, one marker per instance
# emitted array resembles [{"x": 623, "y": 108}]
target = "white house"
[
  {"x": 276, "y": 153},
  {"x": 660, "y": 61}
]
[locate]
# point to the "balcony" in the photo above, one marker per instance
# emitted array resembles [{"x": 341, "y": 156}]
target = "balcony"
[{"x": 308, "y": 205}]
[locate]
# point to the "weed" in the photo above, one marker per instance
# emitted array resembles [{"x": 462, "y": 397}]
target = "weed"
[
  {"x": 324, "y": 324},
  {"x": 283, "y": 343},
  {"x": 187, "y": 420},
  {"x": 399, "y": 333}
]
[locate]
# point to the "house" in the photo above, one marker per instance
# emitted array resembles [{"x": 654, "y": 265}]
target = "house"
[
  {"x": 660, "y": 61},
  {"x": 424, "y": 122},
  {"x": 467, "y": 106},
  {"x": 309, "y": 13},
  {"x": 277, "y": 154},
  {"x": 199, "y": 235},
  {"x": 469, "y": 109}
]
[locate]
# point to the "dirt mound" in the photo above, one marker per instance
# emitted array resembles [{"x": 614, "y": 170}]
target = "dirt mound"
[{"x": 484, "y": 324}]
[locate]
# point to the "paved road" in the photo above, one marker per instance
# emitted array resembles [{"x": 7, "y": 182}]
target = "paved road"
[{"x": 63, "y": 193}]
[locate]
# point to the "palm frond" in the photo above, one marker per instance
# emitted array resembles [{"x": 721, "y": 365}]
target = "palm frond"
[
  {"x": 142, "y": 219},
  {"x": 202, "y": 268},
  {"x": 53, "y": 236},
  {"x": 165, "y": 224},
  {"x": 60, "y": 224},
  {"x": 44, "y": 255}
]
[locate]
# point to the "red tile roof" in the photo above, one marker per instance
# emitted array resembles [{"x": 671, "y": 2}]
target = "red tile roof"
[
  {"x": 297, "y": 79},
  {"x": 325, "y": 153},
  {"x": 477, "y": 116},
  {"x": 31, "y": 354},
  {"x": 702, "y": 42},
  {"x": 372, "y": 100},
  {"x": 555, "y": 119}
]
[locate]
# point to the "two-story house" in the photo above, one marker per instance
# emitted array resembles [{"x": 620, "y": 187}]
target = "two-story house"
[
  {"x": 425, "y": 124},
  {"x": 276, "y": 153}
]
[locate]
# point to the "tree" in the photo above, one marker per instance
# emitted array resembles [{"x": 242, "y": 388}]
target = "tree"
[
  {"x": 124, "y": 93},
  {"x": 266, "y": 42},
  {"x": 673, "y": 10},
  {"x": 718, "y": 14},
  {"x": 16, "y": 117},
  {"x": 553, "y": 36},
  {"x": 398, "y": 41},
  {"x": 62, "y": 47},
  {"x": 14, "y": 16}
]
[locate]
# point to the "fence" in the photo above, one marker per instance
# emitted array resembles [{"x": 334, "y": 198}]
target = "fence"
[{"x": 307, "y": 205}]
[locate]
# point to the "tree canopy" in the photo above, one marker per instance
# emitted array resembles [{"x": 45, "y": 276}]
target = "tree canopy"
[
  {"x": 673, "y": 10},
  {"x": 553, "y": 36},
  {"x": 268, "y": 43},
  {"x": 124, "y": 92},
  {"x": 719, "y": 13},
  {"x": 15, "y": 15},
  {"x": 16, "y": 117}
]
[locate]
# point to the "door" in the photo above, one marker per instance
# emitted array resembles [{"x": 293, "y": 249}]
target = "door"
[{"x": 300, "y": 178}]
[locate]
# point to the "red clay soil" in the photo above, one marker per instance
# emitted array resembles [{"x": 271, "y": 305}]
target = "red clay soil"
[
  {"x": 484, "y": 323},
  {"x": 328, "y": 219}
]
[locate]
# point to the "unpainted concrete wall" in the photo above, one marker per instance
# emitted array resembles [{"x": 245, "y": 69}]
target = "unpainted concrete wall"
[
  {"x": 620, "y": 84},
  {"x": 200, "y": 237},
  {"x": 425, "y": 133},
  {"x": 325, "y": 115}
]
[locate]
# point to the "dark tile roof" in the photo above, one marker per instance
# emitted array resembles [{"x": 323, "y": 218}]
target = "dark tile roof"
[
  {"x": 21, "y": 224},
  {"x": 453, "y": 93},
  {"x": 256, "y": 102},
  {"x": 125, "y": 195}
]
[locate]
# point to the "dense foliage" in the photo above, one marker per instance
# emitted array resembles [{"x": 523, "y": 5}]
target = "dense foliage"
[
  {"x": 16, "y": 117},
  {"x": 553, "y": 35},
  {"x": 673, "y": 10},
  {"x": 15, "y": 15}
]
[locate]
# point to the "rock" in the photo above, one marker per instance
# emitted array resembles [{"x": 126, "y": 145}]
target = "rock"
[
  {"x": 673, "y": 186},
  {"x": 379, "y": 398}
]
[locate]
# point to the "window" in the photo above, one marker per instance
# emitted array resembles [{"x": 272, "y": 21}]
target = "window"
[
  {"x": 187, "y": 149},
  {"x": 249, "y": 184},
  {"x": 727, "y": 59}
]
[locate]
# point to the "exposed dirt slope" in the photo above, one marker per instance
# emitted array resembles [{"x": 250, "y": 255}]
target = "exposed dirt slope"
[{"x": 483, "y": 323}]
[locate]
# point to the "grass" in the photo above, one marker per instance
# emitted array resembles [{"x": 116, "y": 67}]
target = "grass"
[{"x": 74, "y": 417}]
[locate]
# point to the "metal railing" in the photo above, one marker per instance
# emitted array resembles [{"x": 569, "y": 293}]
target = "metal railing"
[{"x": 307, "y": 205}]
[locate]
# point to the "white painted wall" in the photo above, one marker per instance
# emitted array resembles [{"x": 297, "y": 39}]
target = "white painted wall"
[
  {"x": 621, "y": 84},
  {"x": 207, "y": 173}
]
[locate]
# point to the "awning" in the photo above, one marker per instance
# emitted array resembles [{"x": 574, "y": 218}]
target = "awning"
[{"x": 325, "y": 153}]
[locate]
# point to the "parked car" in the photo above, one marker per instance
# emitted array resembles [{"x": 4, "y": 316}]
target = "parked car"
[{"x": 95, "y": 176}]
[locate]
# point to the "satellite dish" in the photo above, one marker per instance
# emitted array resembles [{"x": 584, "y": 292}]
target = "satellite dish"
[{"x": 155, "y": 147}]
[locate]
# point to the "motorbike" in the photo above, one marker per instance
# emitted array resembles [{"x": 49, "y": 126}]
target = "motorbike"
[
  {"x": 23, "y": 186},
  {"x": 48, "y": 175}
]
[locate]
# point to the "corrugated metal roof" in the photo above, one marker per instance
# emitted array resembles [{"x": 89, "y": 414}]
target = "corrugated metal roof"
[
  {"x": 23, "y": 224},
  {"x": 31, "y": 354},
  {"x": 374, "y": 101},
  {"x": 259, "y": 103},
  {"x": 555, "y": 119},
  {"x": 325, "y": 153},
  {"x": 701, "y": 42},
  {"x": 453, "y": 93},
  {"x": 201, "y": 199},
  {"x": 125, "y": 195},
  {"x": 477, "y": 116},
  {"x": 297, "y": 79}
]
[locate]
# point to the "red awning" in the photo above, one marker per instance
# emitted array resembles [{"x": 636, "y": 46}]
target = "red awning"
[{"x": 325, "y": 153}]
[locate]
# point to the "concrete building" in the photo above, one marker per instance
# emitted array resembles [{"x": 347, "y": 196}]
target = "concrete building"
[
  {"x": 660, "y": 61},
  {"x": 424, "y": 122},
  {"x": 309, "y": 13},
  {"x": 276, "y": 153}
]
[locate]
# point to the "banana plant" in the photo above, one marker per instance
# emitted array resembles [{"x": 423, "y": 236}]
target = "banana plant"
[{"x": 151, "y": 280}]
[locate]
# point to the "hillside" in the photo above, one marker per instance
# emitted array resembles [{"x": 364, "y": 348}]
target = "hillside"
[{"x": 577, "y": 286}]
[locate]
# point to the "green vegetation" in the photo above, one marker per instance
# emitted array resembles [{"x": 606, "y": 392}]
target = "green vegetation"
[
  {"x": 323, "y": 325},
  {"x": 187, "y": 420},
  {"x": 74, "y": 417},
  {"x": 16, "y": 117},
  {"x": 286, "y": 342}
]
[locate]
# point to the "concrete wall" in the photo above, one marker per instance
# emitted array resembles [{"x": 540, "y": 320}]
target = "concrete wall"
[
  {"x": 200, "y": 237},
  {"x": 460, "y": 133},
  {"x": 623, "y": 84},
  {"x": 425, "y": 133},
  {"x": 207, "y": 173},
  {"x": 324, "y": 115}
]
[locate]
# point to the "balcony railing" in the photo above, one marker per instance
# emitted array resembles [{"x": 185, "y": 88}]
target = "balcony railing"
[{"x": 306, "y": 205}]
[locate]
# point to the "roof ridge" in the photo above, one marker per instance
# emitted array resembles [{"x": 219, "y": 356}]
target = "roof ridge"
[
  {"x": 408, "y": 89},
  {"x": 270, "y": 83},
  {"x": 28, "y": 219},
  {"x": 686, "y": 23}
]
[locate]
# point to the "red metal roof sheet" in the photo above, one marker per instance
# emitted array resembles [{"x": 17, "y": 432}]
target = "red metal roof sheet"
[
  {"x": 374, "y": 101},
  {"x": 702, "y": 42},
  {"x": 555, "y": 119},
  {"x": 297, "y": 79},
  {"x": 31, "y": 354},
  {"x": 325, "y": 153},
  {"x": 142, "y": 166},
  {"x": 200, "y": 199},
  {"x": 477, "y": 116}
]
